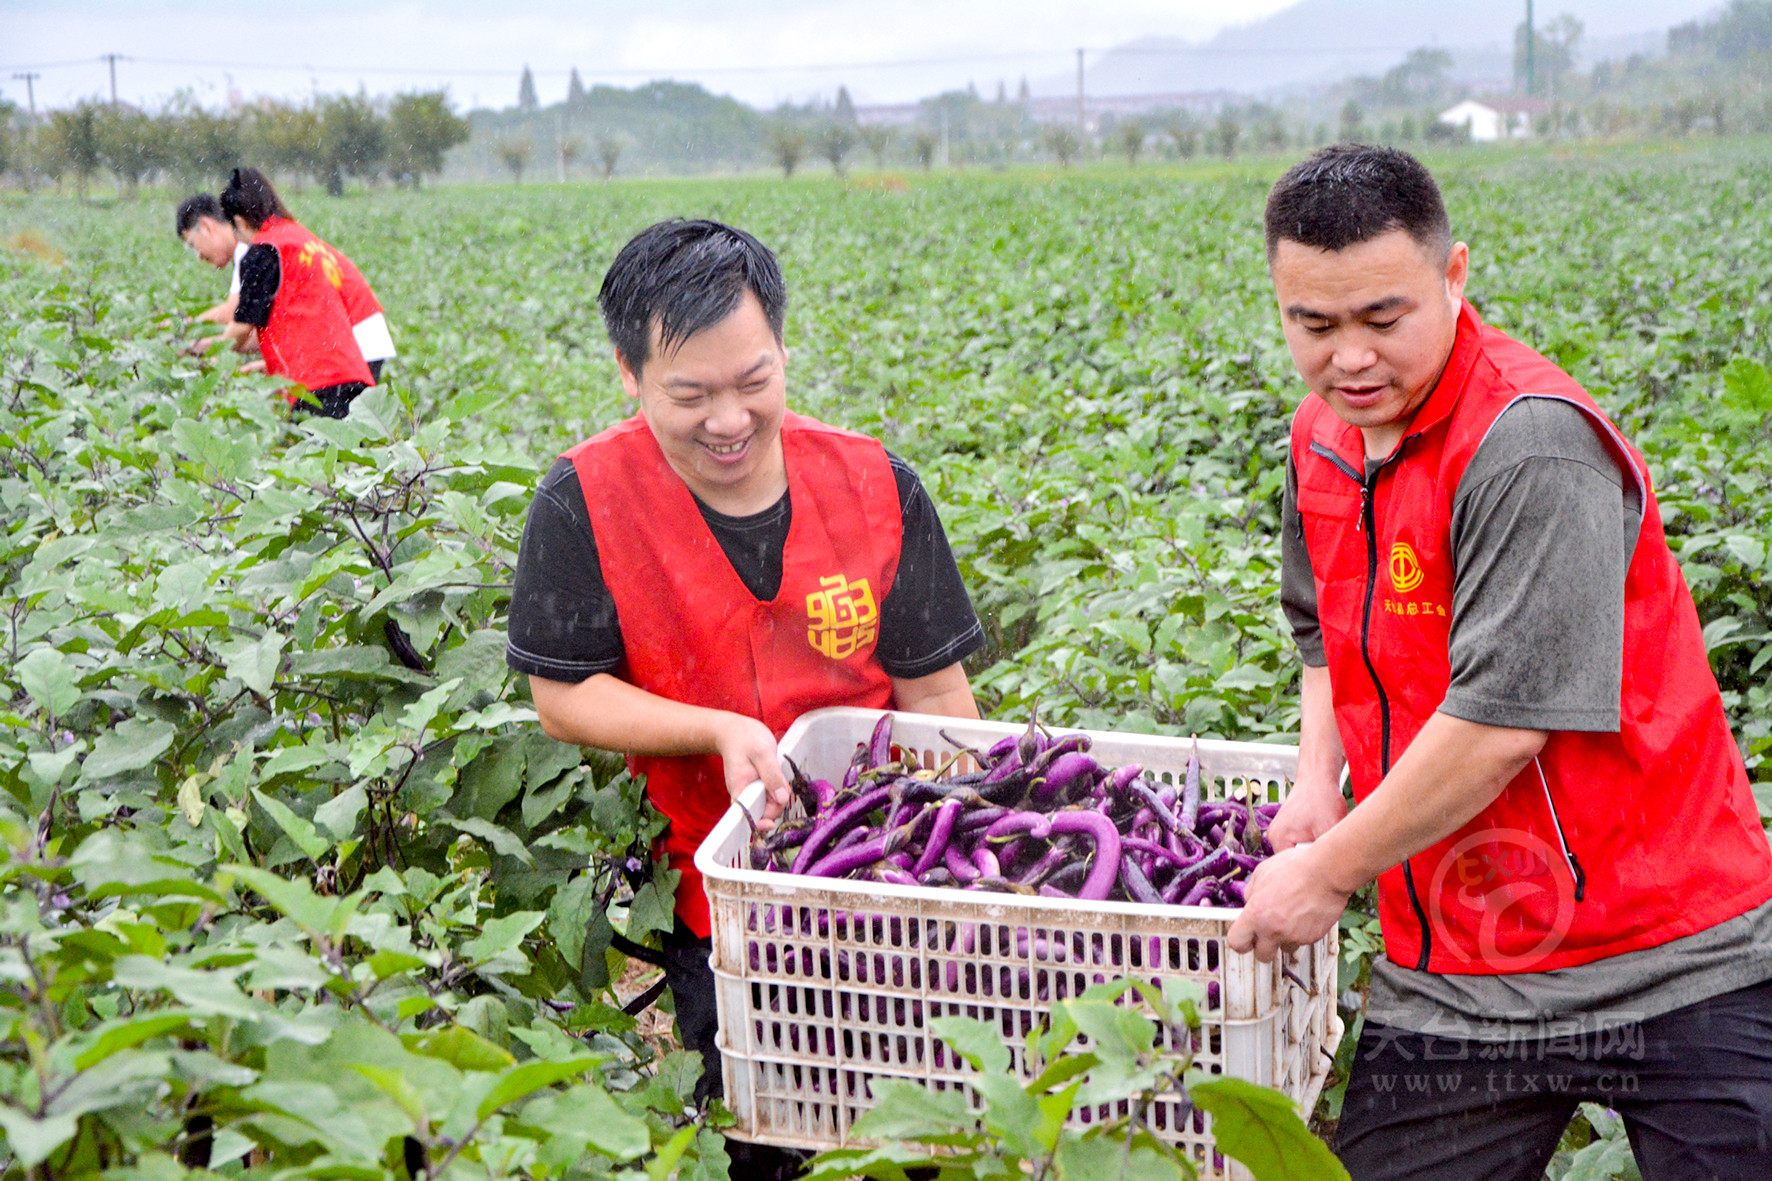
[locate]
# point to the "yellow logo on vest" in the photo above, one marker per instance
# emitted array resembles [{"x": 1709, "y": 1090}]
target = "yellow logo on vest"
[
  {"x": 843, "y": 616},
  {"x": 1406, "y": 572},
  {"x": 328, "y": 262}
]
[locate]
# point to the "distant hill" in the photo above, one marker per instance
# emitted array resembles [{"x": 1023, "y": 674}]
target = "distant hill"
[{"x": 1319, "y": 41}]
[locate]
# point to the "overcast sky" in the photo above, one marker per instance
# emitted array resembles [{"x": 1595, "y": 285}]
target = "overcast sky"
[{"x": 760, "y": 51}]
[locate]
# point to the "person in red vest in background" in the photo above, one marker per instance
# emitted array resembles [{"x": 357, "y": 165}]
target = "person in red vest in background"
[
  {"x": 1500, "y": 649},
  {"x": 291, "y": 291},
  {"x": 213, "y": 238},
  {"x": 694, "y": 578}
]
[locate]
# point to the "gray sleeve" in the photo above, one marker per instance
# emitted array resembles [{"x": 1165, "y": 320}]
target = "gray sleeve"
[
  {"x": 1543, "y": 525},
  {"x": 1298, "y": 586}
]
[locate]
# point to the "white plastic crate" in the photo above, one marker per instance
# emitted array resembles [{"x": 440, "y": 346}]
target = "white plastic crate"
[{"x": 824, "y": 985}]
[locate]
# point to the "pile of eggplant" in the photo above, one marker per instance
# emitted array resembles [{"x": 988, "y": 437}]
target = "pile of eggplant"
[{"x": 1039, "y": 815}]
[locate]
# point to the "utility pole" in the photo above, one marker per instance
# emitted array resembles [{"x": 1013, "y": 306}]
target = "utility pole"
[
  {"x": 1082, "y": 125},
  {"x": 1531, "y": 52},
  {"x": 30, "y": 91},
  {"x": 111, "y": 58}
]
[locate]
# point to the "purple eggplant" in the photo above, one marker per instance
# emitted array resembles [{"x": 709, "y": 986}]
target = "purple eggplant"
[
  {"x": 1138, "y": 886},
  {"x": 957, "y": 864},
  {"x": 853, "y": 857},
  {"x": 1032, "y": 824},
  {"x": 999, "y": 750},
  {"x": 947, "y": 813},
  {"x": 985, "y": 862},
  {"x": 880, "y": 745},
  {"x": 1105, "y": 867},
  {"x": 1064, "y": 774},
  {"x": 837, "y": 823}
]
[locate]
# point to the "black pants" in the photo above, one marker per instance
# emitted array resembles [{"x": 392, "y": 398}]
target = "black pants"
[
  {"x": 692, "y": 992},
  {"x": 1694, "y": 1087},
  {"x": 331, "y": 401}
]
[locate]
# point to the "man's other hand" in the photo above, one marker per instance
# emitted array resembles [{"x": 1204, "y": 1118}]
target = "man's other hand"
[
  {"x": 748, "y": 752},
  {"x": 1287, "y": 903},
  {"x": 1309, "y": 811}
]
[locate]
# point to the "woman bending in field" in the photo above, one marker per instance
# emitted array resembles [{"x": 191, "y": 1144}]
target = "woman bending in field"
[{"x": 292, "y": 290}]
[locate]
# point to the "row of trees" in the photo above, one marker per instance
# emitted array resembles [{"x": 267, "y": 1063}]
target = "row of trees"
[{"x": 328, "y": 140}]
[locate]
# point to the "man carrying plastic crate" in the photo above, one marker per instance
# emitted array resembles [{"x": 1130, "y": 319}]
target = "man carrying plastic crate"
[
  {"x": 695, "y": 578},
  {"x": 1499, "y": 646}
]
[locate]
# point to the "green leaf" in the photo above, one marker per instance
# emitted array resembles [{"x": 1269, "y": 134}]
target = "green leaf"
[
  {"x": 1747, "y": 386},
  {"x": 654, "y": 906},
  {"x": 1090, "y": 1159},
  {"x": 1063, "y": 1071},
  {"x": 254, "y": 663},
  {"x": 659, "y": 1167},
  {"x": 588, "y": 1114},
  {"x": 207, "y": 994},
  {"x": 300, "y": 831},
  {"x": 575, "y": 904},
  {"x": 906, "y": 1110},
  {"x": 131, "y": 746},
  {"x": 311, "y": 911},
  {"x": 48, "y": 677},
  {"x": 1603, "y": 1160},
  {"x": 976, "y": 1041},
  {"x": 32, "y": 1140},
  {"x": 127, "y": 1032},
  {"x": 338, "y": 816},
  {"x": 463, "y": 1049},
  {"x": 521, "y": 1081},
  {"x": 502, "y": 840},
  {"x": 500, "y": 935},
  {"x": 1011, "y": 1112},
  {"x": 1259, "y": 1127},
  {"x": 386, "y": 963},
  {"x": 394, "y": 1085}
]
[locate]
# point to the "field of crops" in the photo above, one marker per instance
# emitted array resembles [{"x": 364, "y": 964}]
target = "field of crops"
[{"x": 227, "y": 800}]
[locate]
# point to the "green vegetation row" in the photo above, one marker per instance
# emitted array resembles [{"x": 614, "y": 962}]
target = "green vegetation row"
[
  {"x": 279, "y": 889},
  {"x": 329, "y": 140}
]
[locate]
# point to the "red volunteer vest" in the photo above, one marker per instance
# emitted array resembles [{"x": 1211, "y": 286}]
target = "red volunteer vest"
[
  {"x": 354, "y": 289},
  {"x": 694, "y": 633},
  {"x": 1608, "y": 843},
  {"x": 308, "y": 338}
]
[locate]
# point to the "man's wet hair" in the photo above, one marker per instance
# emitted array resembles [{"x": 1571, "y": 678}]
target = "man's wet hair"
[
  {"x": 195, "y": 208},
  {"x": 1352, "y": 193},
  {"x": 685, "y": 276},
  {"x": 250, "y": 197}
]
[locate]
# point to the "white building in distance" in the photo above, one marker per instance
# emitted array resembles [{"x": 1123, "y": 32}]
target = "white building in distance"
[{"x": 1490, "y": 119}]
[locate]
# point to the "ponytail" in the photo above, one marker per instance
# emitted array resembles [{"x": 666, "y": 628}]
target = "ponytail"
[{"x": 250, "y": 197}]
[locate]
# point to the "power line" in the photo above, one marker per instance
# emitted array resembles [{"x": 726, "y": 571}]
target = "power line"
[{"x": 789, "y": 68}]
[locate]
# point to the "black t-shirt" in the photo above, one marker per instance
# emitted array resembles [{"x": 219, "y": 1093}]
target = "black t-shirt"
[
  {"x": 261, "y": 273},
  {"x": 563, "y": 625}
]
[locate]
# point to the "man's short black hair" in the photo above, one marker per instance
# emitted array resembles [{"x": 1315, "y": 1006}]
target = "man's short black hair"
[
  {"x": 196, "y": 207},
  {"x": 1352, "y": 193},
  {"x": 685, "y": 276}
]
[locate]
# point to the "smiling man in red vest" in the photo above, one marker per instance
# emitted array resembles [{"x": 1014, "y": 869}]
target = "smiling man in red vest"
[
  {"x": 1500, "y": 649},
  {"x": 695, "y": 578}
]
